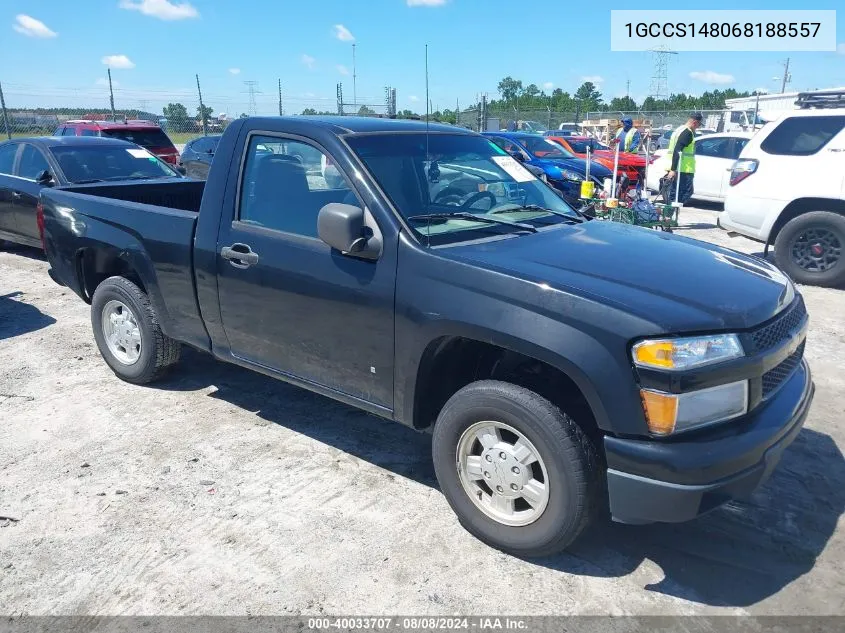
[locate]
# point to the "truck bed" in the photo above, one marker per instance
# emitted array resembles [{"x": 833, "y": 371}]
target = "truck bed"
[
  {"x": 185, "y": 195},
  {"x": 146, "y": 229}
]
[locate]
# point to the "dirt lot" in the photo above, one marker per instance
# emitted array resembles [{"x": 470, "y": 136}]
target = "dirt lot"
[{"x": 220, "y": 491}]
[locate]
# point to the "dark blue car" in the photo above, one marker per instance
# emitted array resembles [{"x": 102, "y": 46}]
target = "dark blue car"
[{"x": 563, "y": 170}]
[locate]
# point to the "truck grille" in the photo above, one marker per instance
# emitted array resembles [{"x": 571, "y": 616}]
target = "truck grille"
[
  {"x": 780, "y": 329},
  {"x": 775, "y": 377}
]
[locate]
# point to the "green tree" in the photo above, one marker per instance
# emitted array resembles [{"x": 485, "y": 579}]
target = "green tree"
[
  {"x": 510, "y": 88},
  {"x": 309, "y": 111},
  {"x": 622, "y": 104},
  {"x": 365, "y": 111},
  {"x": 588, "y": 97},
  {"x": 204, "y": 113},
  {"x": 176, "y": 114}
]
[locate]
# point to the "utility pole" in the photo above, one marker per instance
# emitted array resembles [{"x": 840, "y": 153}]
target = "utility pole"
[
  {"x": 202, "y": 110},
  {"x": 627, "y": 88},
  {"x": 340, "y": 99},
  {"x": 111, "y": 97},
  {"x": 786, "y": 77},
  {"x": 457, "y": 112},
  {"x": 5, "y": 115},
  {"x": 281, "y": 109},
  {"x": 427, "y": 101},
  {"x": 354, "y": 79}
]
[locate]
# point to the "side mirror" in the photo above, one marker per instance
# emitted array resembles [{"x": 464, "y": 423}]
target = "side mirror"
[
  {"x": 181, "y": 169},
  {"x": 518, "y": 156},
  {"x": 344, "y": 228},
  {"x": 45, "y": 178},
  {"x": 210, "y": 152}
]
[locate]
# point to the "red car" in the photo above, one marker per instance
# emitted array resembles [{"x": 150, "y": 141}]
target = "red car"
[
  {"x": 631, "y": 165},
  {"x": 144, "y": 133}
]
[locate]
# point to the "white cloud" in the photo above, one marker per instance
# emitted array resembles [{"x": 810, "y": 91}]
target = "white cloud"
[
  {"x": 161, "y": 9},
  {"x": 343, "y": 34},
  {"x": 596, "y": 79},
  {"x": 309, "y": 95},
  {"x": 235, "y": 71},
  {"x": 548, "y": 85},
  {"x": 841, "y": 48},
  {"x": 426, "y": 3},
  {"x": 103, "y": 81},
  {"x": 413, "y": 98},
  {"x": 26, "y": 25},
  {"x": 118, "y": 61},
  {"x": 308, "y": 61},
  {"x": 711, "y": 77},
  {"x": 343, "y": 70}
]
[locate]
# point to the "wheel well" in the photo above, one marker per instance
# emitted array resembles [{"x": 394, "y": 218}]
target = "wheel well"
[
  {"x": 801, "y": 206},
  {"x": 93, "y": 267},
  {"x": 450, "y": 363}
]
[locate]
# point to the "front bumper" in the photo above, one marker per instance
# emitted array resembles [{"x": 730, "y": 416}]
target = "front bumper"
[{"x": 674, "y": 481}]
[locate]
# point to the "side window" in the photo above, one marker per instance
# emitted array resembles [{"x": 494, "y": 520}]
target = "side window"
[
  {"x": 285, "y": 183},
  {"x": 715, "y": 147},
  {"x": 802, "y": 136},
  {"x": 32, "y": 162},
  {"x": 7, "y": 157},
  {"x": 199, "y": 146},
  {"x": 736, "y": 117},
  {"x": 739, "y": 144},
  {"x": 59, "y": 131},
  {"x": 85, "y": 132}
]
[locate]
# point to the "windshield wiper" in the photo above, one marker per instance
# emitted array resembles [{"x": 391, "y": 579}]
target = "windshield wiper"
[
  {"x": 463, "y": 215},
  {"x": 86, "y": 182},
  {"x": 536, "y": 207}
]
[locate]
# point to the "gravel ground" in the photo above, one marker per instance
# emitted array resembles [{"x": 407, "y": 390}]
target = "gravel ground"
[{"x": 221, "y": 491}]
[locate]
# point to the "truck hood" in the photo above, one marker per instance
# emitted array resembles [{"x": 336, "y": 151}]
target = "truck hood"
[
  {"x": 578, "y": 165},
  {"x": 677, "y": 283}
]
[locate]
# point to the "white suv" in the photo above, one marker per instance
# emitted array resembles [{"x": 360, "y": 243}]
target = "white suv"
[{"x": 788, "y": 189}]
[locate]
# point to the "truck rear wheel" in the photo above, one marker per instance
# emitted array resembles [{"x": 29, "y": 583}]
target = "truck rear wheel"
[
  {"x": 128, "y": 334},
  {"x": 811, "y": 248},
  {"x": 519, "y": 472}
]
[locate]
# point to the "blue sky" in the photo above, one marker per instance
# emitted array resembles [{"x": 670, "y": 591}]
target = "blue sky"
[{"x": 53, "y": 52}]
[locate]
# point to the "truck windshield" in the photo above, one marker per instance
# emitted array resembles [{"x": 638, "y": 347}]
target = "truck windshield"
[
  {"x": 109, "y": 162},
  {"x": 436, "y": 181}
]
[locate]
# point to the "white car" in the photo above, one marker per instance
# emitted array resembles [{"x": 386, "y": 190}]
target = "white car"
[
  {"x": 788, "y": 189},
  {"x": 714, "y": 156}
]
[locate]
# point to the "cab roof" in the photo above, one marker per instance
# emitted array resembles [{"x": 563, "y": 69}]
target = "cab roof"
[
  {"x": 364, "y": 125},
  {"x": 72, "y": 141}
]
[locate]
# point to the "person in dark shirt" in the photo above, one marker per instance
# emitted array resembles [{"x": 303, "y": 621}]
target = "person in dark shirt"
[{"x": 682, "y": 159}]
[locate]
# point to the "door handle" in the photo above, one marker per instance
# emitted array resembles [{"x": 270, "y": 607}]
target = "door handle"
[
  {"x": 239, "y": 255},
  {"x": 17, "y": 195}
]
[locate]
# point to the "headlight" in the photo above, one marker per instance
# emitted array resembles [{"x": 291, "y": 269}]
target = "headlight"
[
  {"x": 681, "y": 354},
  {"x": 567, "y": 174},
  {"x": 672, "y": 412}
]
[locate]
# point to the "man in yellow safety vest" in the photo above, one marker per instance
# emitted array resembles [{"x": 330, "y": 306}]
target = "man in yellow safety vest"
[
  {"x": 628, "y": 136},
  {"x": 681, "y": 154}
]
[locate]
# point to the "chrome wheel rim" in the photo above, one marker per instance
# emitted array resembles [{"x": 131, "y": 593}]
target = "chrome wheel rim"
[
  {"x": 502, "y": 473},
  {"x": 121, "y": 332},
  {"x": 816, "y": 250}
]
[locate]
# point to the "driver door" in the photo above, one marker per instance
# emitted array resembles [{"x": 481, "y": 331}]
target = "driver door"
[
  {"x": 32, "y": 162},
  {"x": 289, "y": 302}
]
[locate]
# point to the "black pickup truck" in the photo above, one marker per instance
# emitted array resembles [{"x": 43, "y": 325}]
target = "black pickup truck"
[{"x": 422, "y": 274}]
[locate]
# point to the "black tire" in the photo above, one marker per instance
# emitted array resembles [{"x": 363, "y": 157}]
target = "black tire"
[
  {"x": 793, "y": 238},
  {"x": 158, "y": 351},
  {"x": 573, "y": 467}
]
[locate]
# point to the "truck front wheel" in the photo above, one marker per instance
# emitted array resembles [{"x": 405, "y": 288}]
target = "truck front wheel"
[
  {"x": 519, "y": 472},
  {"x": 128, "y": 334},
  {"x": 811, "y": 248}
]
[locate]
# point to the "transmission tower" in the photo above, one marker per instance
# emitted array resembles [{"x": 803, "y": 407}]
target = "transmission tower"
[
  {"x": 340, "y": 99},
  {"x": 659, "y": 88},
  {"x": 390, "y": 100},
  {"x": 252, "y": 90}
]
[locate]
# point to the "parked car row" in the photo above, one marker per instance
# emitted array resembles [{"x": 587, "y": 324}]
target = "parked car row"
[{"x": 28, "y": 165}]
